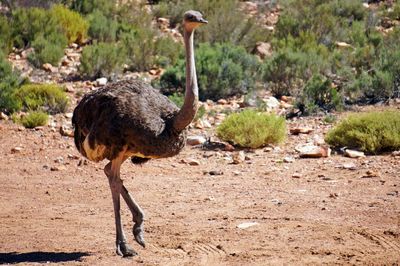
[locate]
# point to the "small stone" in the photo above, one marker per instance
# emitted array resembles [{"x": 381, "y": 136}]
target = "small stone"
[
  {"x": 222, "y": 101},
  {"x": 16, "y": 149},
  {"x": 215, "y": 172},
  {"x": 349, "y": 166},
  {"x": 238, "y": 157},
  {"x": 371, "y": 173},
  {"x": 396, "y": 153},
  {"x": 297, "y": 175},
  {"x": 66, "y": 132},
  {"x": 54, "y": 168},
  {"x": 276, "y": 201},
  {"x": 101, "y": 81},
  {"x": 288, "y": 160},
  {"x": 312, "y": 151},
  {"x": 228, "y": 147},
  {"x": 272, "y": 102},
  {"x": 195, "y": 140},
  {"x": 301, "y": 130},
  {"x": 3, "y": 116},
  {"x": 343, "y": 45},
  {"x": 199, "y": 124},
  {"x": 72, "y": 156},
  {"x": 353, "y": 154},
  {"x": 246, "y": 225},
  {"x": 193, "y": 162},
  {"x": 263, "y": 49},
  {"x": 49, "y": 68}
]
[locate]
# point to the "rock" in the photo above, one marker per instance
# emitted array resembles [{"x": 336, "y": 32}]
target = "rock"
[
  {"x": 195, "y": 140},
  {"x": 353, "y": 154},
  {"x": 300, "y": 130},
  {"x": 343, "y": 45},
  {"x": 263, "y": 49},
  {"x": 276, "y": 201},
  {"x": 49, "y": 68},
  {"x": 349, "y": 166},
  {"x": 193, "y": 162},
  {"x": 297, "y": 175},
  {"x": 396, "y": 153},
  {"x": 312, "y": 151},
  {"x": 101, "y": 81},
  {"x": 3, "y": 116},
  {"x": 288, "y": 159},
  {"x": 65, "y": 131},
  {"x": 238, "y": 157},
  {"x": 272, "y": 102},
  {"x": 228, "y": 147},
  {"x": 371, "y": 173},
  {"x": 199, "y": 124},
  {"x": 215, "y": 172},
  {"x": 222, "y": 101},
  {"x": 246, "y": 225},
  {"x": 16, "y": 149},
  {"x": 68, "y": 115}
]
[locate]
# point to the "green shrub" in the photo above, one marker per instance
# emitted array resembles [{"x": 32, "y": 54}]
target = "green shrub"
[
  {"x": 48, "y": 50},
  {"x": 319, "y": 93},
  {"x": 372, "y": 132},
  {"x": 106, "y": 7},
  {"x": 177, "y": 99},
  {"x": 223, "y": 70},
  {"x": 72, "y": 24},
  {"x": 251, "y": 129},
  {"x": 10, "y": 80},
  {"x": 28, "y": 23},
  {"x": 5, "y": 35},
  {"x": 34, "y": 119},
  {"x": 101, "y": 60},
  {"x": 102, "y": 28},
  {"x": 42, "y": 97}
]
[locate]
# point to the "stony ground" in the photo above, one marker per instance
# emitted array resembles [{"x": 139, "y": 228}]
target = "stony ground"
[{"x": 57, "y": 208}]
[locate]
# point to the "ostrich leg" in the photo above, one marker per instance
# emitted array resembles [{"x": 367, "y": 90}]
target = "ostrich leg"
[
  {"x": 137, "y": 215},
  {"x": 112, "y": 170}
]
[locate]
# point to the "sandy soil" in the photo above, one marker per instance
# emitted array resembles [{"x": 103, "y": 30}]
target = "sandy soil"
[{"x": 54, "y": 208}]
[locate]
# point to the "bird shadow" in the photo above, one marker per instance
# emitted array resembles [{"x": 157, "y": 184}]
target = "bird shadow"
[{"x": 41, "y": 257}]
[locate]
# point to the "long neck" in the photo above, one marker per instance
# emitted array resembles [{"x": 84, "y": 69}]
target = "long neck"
[{"x": 189, "y": 108}]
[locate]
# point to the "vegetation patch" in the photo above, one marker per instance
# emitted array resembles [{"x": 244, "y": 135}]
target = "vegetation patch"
[
  {"x": 42, "y": 97},
  {"x": 252, "y": 129},
  {"x": 34, "y": 119},
  {"x": 372, "y": 132}
]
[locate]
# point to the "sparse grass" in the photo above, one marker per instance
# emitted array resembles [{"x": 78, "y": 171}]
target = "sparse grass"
[
  {"x": 251, "y": 129},
  {"x": 372, "y": 132},
  {"x": 34, "y": 119},
  {"x": 44, "y": 97}
]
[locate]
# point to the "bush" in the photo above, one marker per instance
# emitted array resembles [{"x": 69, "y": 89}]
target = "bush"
[
  {"x": 251, "y": 129},
  {"x": 72, "y": 24},
  {"x": 101, "y": 60},
  {"x": 5, "y": 35},
  {"x": 372, "y": 132},
  {"x": 319, "y": 93},
  {"x": 48, "y": 50},
  {"x": 106, "y": 7},
  {"x": 43, "y": 97},
  {"x": 34, "y": 119},
  {"x": 10, "y": 80},
  {"x": 102, "y": 28},
  {"x": 223, "y": 70}
]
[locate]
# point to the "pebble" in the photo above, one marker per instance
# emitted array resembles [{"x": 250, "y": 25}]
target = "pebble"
[
  {"x": 246, "y": 225},
  {"x": 297, "y": 175},
  {"x": 312, "y": 151},
  {"x": 238, "y": 157},
  {"x": 349, "y": 166},
  {"x": 195, "y": 140},
  {"x": 353, "y": 154},
  {"x": 288, "y": 159},
  {"x": 16, "y": 149},
  {"x": 193, "y": 162},
  {"x": 101, "y": 81}
]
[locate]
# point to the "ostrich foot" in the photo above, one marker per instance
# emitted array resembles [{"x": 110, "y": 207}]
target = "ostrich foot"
[
  {"x": 138, "y": 233},
  {"x": 124, "y": 250}
]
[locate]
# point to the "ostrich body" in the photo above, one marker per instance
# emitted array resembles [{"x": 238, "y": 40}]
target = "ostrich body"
[{"x": 130, "y": 119}]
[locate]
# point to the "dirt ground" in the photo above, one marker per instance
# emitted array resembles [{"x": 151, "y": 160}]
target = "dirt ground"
[{"x": 56, "y": 209}]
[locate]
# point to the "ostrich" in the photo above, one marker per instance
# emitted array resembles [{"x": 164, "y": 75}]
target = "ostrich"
[{"x": 130, "y": 119}]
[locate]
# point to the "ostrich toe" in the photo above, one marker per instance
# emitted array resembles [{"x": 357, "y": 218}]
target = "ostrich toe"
[
  {"x": 124, "y": 250},
  {"x": 139, "y": 234}
]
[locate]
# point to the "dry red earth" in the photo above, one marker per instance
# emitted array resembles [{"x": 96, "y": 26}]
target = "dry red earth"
[{"x": 56, "y": 209}]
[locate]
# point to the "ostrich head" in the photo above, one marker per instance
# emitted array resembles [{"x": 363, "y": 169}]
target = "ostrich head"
[{"x": 192, "y": 19}]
